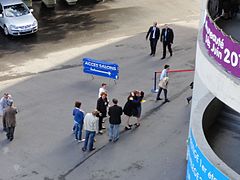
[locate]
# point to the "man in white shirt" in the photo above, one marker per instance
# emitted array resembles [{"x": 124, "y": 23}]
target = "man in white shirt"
[
  {"x": 153, "y": 34},
  {"x": 102, "y": 89},
  {"x": 91, "y": 127}
]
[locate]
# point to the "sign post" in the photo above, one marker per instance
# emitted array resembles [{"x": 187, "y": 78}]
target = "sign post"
[{"x": 101, "y": 68}]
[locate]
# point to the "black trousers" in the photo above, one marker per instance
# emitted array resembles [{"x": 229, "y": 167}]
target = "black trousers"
[
  {"x": 159, "y": 93},
  {"x": 153, "y": 45},
  {"x": 10, "y": 132},
  {"x": 165, "y": 45},
  {"x": 100, "y": 123},
  {"x": 4, "y": 124}
]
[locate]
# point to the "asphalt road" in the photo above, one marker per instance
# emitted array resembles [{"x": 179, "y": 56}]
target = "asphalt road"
[{"x": 45, "y": 84}]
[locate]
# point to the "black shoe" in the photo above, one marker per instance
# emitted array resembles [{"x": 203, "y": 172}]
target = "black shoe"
[
  {"x": 103, "y": 127},
  {"x": 150, "y": 54},
  {"x": 163, "y": 58},
  {"x": 137, "y": 125},
  {"x": 115, "y": 140},
  {"x": 127, "y": 128},
  {"x": 129, "y": 125},
  {"x": 166, "y": 100},
  {"x": 153, "y": 55},
  {"x": 5, "y": 129},
  {"x": 170, "y": 55},
  {"x": 93, "y": 148},
  {"x": 10, "y": 139},
  {"x": 158, "y": 99},
  {"x": 100, "y": 132},
  {"x": 83, "y": 149},
  {"x": 110, "y": 140},
  {"x": 187, "y": 100}
]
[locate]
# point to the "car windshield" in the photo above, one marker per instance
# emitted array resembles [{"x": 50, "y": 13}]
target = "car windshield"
[{"x": 16, "y": 10}]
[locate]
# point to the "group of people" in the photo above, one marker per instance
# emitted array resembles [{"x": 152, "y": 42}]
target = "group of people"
[
  {"x": 92, "y": 122},
  {"x": 166, "y": 37},
  {"x": 8, "y": 114}
]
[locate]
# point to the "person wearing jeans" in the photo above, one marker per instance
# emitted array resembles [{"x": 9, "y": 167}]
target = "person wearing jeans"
[
  {"x": 115, "y": 113},
  {"x": 78, "y": 121},
  {"x": 90, "y": 126}
]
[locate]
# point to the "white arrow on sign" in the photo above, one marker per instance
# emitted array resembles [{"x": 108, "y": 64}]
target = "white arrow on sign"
[{"x": 109, "y": 73}]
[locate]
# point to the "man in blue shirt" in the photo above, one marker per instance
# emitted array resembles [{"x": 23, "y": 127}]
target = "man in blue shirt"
[{"x": 163, "y": 83}]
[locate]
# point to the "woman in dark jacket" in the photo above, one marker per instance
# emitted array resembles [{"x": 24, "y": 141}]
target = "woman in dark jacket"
[
  {"x": 137, "y": 107},
  {"x": 102, "y": 104},
  {"x": 128, "y": 110}
]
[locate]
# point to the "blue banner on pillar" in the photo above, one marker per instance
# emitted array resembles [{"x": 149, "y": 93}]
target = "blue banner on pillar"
[
  {"x": 100, "y": 68},
  {"x": 198, "y": 166}
]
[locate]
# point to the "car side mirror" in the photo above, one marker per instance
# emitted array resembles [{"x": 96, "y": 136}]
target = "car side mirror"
[{"x": 31, "y": 10}]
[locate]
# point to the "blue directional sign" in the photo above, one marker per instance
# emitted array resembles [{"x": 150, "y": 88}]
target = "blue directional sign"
[{"x": 100, "y": 68}]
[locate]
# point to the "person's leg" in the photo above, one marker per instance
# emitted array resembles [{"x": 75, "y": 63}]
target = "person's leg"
[
  {"x": 127, "y": 127},
  {"x": 92, "y": 135},
  {"x": 115, "y": 132},
  {"x": 154, "y": 46},
  {"x": 86, "y": 140},
  {"x": 80, "y": 132},
  {"x": 151, "y": 45},
  {"x": 110, "y": 132},
  {"x": 12, "y": 133},
  {"x": 165, "y": 95},
  {"x": 100, "y": 124},
  {"x": 76, "y": 131},
  {"x": 159, "y": 93},
  {"x": 164, "y": 50},
  {"x": 170, "y": 48},
  {"x": 8, "y": 132}
]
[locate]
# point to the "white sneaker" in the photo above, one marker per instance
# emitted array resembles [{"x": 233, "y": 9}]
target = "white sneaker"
[{"x": 82, "y": 140}]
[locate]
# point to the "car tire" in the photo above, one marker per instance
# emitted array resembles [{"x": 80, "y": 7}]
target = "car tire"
[{"x": 5, "y": 29}]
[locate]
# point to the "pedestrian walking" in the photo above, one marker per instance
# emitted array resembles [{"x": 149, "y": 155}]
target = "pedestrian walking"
[
  {"x": 128, "y": 110},
  {"x": 115, "y": 113},
  {"x": 154, "y": 34},
  {"x": 9, "y": 116},
  {"x": 90, "y": 126},
  {"x": 78, "y": 115},
  {"x": 137, "y": 107},
  {"x": 163, "y": 83},
  {"x": 102, "y": 104},
  {"x": 166, "y": 38},
  {"x": 4, "y": 103},
  {"x": 102, "y": 89},
  {"x": 190, "y": 97}
]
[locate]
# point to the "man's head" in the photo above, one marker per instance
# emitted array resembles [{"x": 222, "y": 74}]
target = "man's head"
[
  {"x": 155, "y": 24},
  {"x": 166, "y": 66},
  {"x": 115, "y": 101},
  {"x": 165, "y": 26},
  {"x": 6, "y": 95},
  {"x": 104, "y": 85},
  {"x": 78, "y": 104}
]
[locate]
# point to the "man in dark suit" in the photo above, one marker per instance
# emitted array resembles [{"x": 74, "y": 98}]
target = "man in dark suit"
[
  {"x": 154, "y": 33},
  {"x": 115, "y": 113},
  {"x": 167, "y": 37}
]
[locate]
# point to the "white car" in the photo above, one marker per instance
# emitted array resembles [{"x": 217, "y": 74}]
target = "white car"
[{"x": 16, "y": 18}]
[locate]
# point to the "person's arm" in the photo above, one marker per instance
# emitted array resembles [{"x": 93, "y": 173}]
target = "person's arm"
[
  {"x": 172, "y": 36},
  {"x": 148, "y": 33},
  {"x": 161, "y": 36}
]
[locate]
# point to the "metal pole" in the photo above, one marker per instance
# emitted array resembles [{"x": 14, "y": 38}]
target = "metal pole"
[{"x": 155, "y": 81}]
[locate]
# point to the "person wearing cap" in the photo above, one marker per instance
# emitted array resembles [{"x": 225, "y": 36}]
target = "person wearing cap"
[
  {"x": 4, "y": 103},
  {"x": 102, "y": 89},
  {"x": 115, "y": 113},
  {"x": 90, "y": 126},
  {"x": 9, "y": 116}
]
